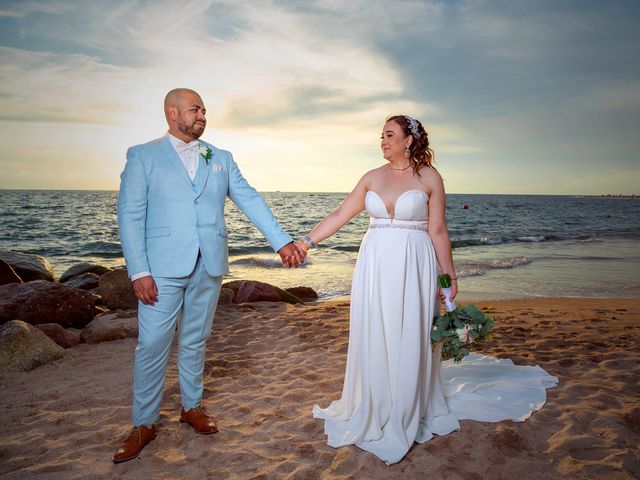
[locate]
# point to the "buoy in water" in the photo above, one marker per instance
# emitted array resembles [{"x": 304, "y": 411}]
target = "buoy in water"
[{"x": 465, "y": 206}]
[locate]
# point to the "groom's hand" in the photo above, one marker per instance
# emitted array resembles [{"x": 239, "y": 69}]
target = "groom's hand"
[
  {"x": 146, "y": 290},
  {"x": 290, "y": 255}
]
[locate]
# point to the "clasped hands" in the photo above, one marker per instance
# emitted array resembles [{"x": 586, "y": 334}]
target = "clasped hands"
[{"x": 292, "y": 254}]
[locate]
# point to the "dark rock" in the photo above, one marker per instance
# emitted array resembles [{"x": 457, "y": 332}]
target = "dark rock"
[
  {"x": 24, "y": 347},
  {"x": 46, "y": 302},
  {"x": 116, "y": 290},
  {"x": 226, "y": 296},
  {"x": 8, "y": 274},
  {"x": 28, "y": 266},
  {"x": 96, "y": 295},
  {"x": 254, "y": 291},
  {"x": 304, "y": 293},
  {"x": 84, "y": 281},
  {"x": 233, "y": 285},
  {"x": 81, "y": 268},
  {"x": 287, "y": 297},
  {"x": 65, "y": 337},
  {"x": 110, "y": 326}
]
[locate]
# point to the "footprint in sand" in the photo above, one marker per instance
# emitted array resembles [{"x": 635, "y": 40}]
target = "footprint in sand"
[
  {"x": 632, "y": 419},
  {"x": 508, "y": 442}
]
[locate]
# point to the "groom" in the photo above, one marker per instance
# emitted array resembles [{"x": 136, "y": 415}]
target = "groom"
[{"x": 174, "y": 240}]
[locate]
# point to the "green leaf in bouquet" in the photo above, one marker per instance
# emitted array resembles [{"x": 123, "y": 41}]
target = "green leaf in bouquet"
[
  {"x": 445, "y": 331},
  {"x": 443, "y": 325},
  {"x": 489, "y": 323},
  {"x": 474, "y": 312},
  {"x": 451, "y": 315}
]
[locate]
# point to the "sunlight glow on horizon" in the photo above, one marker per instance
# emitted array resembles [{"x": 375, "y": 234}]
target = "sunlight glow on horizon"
[{"x": 298, "y": 92}]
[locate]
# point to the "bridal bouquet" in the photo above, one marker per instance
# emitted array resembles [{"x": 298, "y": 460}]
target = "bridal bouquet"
[{"x": 460, "y": 325}]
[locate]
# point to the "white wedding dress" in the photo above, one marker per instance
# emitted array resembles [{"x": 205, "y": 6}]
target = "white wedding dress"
[{"x": 396, "y": 390}]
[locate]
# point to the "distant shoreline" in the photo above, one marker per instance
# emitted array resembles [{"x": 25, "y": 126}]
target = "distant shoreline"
[
  {"x": 633, "y": 196},
  {"x": 624, "y": 197}
]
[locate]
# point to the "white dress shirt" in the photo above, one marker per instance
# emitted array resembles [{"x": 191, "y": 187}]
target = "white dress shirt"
[{"x": 190, "y": 159}]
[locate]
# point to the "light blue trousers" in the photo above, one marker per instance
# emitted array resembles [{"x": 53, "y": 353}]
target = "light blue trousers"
[{"x": 190, "y": 303}]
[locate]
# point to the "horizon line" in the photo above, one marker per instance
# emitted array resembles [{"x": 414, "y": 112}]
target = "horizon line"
[{"x": 344, "y": 192}]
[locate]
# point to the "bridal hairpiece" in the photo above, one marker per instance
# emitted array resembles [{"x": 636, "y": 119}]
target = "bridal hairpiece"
[{"x": 413, "y": 126}]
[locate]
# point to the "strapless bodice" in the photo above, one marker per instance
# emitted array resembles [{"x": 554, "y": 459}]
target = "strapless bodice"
[{"x": 411, "y": 205}]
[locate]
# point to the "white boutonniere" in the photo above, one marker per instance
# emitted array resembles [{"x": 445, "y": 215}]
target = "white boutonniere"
[{"x": 206, "y": 153}]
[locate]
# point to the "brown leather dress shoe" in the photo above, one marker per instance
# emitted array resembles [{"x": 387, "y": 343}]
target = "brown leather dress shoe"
[
  {"x": 135, "y": 442},
  {"x": 199, "y": 420}
]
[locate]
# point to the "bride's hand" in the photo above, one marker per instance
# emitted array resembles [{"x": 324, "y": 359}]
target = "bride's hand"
[
  {"x": 454, "y": 289},
  {"x": 302, "y": 246}
]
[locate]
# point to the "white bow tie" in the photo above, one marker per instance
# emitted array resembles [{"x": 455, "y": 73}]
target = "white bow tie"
[{"x": 194, "y": 146}]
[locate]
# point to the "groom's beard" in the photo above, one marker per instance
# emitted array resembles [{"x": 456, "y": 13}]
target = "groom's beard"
[{"x": 194, "y": 131}]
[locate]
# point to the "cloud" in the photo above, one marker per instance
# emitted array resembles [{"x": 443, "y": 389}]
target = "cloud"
[
  {"x": 21, "y": 9},
  {"x": 46, "y": 87},
  {"x": 498, "y": 84}
]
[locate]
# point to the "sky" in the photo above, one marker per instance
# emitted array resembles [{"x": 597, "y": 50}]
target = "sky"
[{"x": 519, "y": 97}]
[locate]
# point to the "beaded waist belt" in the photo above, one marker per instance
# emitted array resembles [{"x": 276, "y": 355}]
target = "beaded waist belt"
[{"x": 420, "y": 226}]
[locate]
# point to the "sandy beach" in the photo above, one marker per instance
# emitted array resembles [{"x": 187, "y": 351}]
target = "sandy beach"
[{"x": 268, "y": 363}]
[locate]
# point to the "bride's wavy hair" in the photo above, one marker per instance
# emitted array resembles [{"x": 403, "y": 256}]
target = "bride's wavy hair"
[{"x": 419, "y": 152}]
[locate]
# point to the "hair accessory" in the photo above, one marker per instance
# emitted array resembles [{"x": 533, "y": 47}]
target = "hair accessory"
[{"x": 413, "y": 126}]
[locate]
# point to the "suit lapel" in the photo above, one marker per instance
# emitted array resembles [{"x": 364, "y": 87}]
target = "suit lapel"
[
  {"x": 172, "y": 155},
  {"x": 203, "y": 173}
]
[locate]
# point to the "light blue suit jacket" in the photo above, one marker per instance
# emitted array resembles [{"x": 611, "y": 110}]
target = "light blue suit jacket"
[{"x": 165, "y": 218}]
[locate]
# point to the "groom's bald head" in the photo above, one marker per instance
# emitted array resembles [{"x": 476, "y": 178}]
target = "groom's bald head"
[
  {"x": 178, "y": 97},
  {"x": 185, "y": 113}
]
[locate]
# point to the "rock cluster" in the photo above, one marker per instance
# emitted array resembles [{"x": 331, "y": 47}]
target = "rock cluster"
[
  {"x": 40, "y": 318},
  {"x": 24, "y": 347}
]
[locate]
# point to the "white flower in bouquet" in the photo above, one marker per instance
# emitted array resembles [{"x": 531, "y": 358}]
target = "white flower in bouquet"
[{"x": 463, "y": 333}]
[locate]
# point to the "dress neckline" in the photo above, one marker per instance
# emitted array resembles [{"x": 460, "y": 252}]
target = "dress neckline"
[{"x": 384, "y": 204}]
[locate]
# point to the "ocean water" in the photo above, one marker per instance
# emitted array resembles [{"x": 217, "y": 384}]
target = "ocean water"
[{"x": 505, "y": 246}]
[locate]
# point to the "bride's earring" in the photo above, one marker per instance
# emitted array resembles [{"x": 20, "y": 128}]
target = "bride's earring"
[{"x": 407, "y": 152}]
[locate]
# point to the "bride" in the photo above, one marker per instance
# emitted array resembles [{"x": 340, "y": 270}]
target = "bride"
[{"x": 395, "y": 392}]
